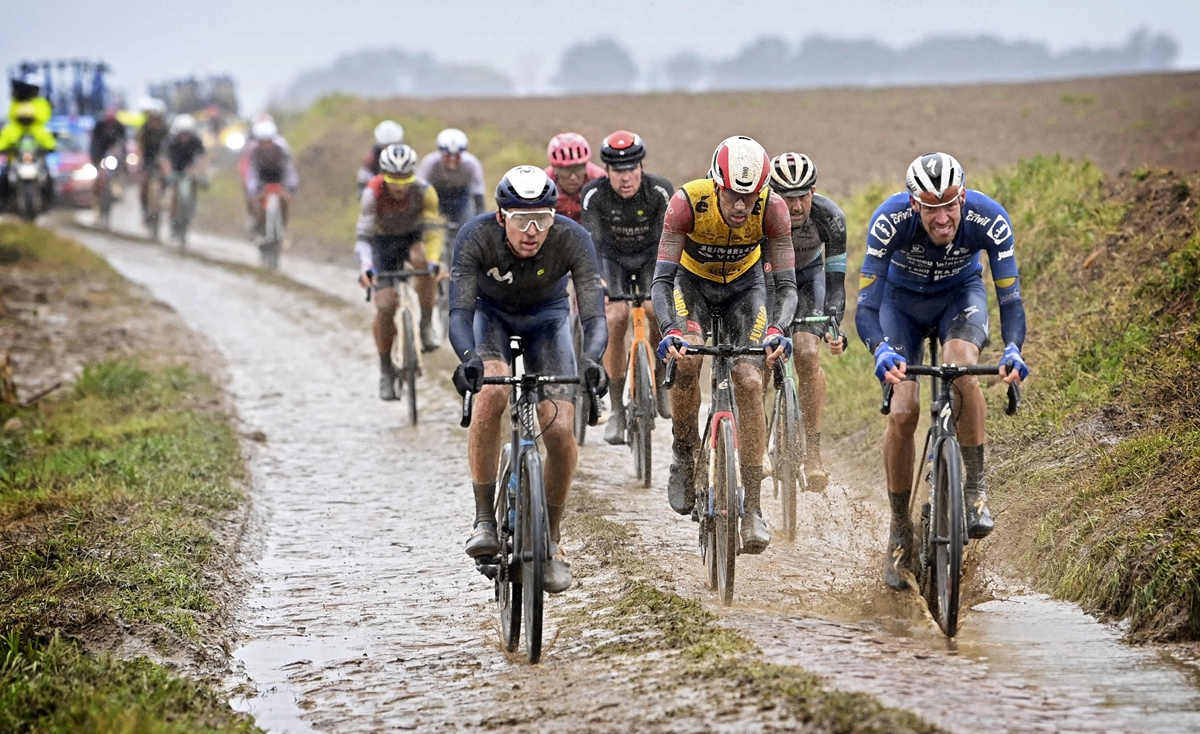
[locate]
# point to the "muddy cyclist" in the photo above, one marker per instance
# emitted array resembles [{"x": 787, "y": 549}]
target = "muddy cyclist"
[
  {"x": 509, "y": 278},
  {"x": 571, "y": 169},
  {"x": 708, "y": 261},
  {"x": 624, "y": 211},
  {"x": 923, "y": 274},
  {"x": 457, "y": 175}
]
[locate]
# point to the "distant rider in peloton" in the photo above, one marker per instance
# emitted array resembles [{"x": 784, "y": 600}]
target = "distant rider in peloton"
[
  {"x": 570, "y": 169},
  {"x": 150, "y": 139},
  {"x": 708, "y": 262},
  {"x": 457, "y": 175},
  {"x": 509, "y": 278},
  {"x": 388, "y": 132},
  {"x": 108, "y": 135},
  {"x": 923, "y": 274},
  {"x": 270, "y": 163},
  {"x": 185, "y": 153},
  {"x": 624, "y": 212},
  {"x": 819, "y": 240},
  {"x": 398, "y": 222}
]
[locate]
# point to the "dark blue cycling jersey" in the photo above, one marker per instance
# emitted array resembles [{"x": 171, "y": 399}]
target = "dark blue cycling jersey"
[{"x": 900, "y": 254}]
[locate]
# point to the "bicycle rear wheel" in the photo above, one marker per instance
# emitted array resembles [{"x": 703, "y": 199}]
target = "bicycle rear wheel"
[
  {"x": 643, "y": 414},
  {"x": 535, "y": 539},
  {"x": 949, "y": 524},
  {"x": 583, "y": 406},
  {"x": 411, "y": 367},
  {"x": 728, "y": 510},
  {"x": 508, "y": 587}
]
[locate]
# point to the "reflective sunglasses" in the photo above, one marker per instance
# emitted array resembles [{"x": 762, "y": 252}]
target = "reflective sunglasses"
[
  {"x": 933, "y": 201},
  {"x": 525, "y": 218}
]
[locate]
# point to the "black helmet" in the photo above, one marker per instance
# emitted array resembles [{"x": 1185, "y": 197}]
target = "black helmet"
[{"x": 622, "y": 150}]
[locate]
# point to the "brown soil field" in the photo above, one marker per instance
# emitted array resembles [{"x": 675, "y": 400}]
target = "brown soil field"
[{"x": 862, "y": 136}]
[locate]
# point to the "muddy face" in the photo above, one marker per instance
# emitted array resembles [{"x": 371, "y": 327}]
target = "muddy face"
[
  {"x": 523, "y": 243},
  {"x": 799, "y": 207},
  {"x": 735, "y": 207},
  {"x": 625, "y": 183},
  {"x": 451, "y": 161},
  {"x": 941, "y": 222},
  {"x": 570, "y": 179}
]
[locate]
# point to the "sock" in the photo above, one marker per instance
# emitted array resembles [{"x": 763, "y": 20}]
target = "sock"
[
  {"x": 972, "y": 457},
  {"x": 485, "y": 502},
  {"x": 616, "y": 392},
  {"x": 812, "y": 449},
  {"x": 899, "y": 502},
  {"x": 752, "y": 478},
  {"x": 385, "y": 363}
]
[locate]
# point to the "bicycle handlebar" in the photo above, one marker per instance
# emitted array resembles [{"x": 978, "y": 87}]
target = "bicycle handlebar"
[
  {"x": 630, "y": 298},
  {"x": 831, "y": 327},
  {"x": 952, "y": 373},
  {"x": 395, "y": 274},
  {"x": 720, "y": 350},
  {"x": 530, "y": 382}
]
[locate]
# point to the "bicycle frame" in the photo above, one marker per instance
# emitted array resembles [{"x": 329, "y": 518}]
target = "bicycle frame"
[{"x": 640, "y": 329}]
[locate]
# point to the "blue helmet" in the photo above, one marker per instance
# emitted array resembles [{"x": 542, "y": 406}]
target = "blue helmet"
[{"x": 526, "y": 187}]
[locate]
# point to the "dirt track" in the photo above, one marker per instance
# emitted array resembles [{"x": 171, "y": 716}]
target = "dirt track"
[{"x": 366, "y": 616}]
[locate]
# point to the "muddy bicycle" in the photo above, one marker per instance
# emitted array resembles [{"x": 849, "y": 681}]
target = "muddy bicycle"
[
  {"x": 641, "y": 392},
  {"x": 522, "y": 517},
  {"x": 720, "y": 494},
  {"x": 943, "y": 529},
  {"x": 406, "y": 354},
  {"x": 786, "y": 431}
]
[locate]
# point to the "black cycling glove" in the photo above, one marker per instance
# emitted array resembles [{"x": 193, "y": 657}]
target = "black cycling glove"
[
  {"x": 597, "y": 379},
  {"x": 468, "y": 376}
]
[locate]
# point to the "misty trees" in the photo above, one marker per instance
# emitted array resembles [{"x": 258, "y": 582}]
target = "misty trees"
[{"x": 596, "y": 66}]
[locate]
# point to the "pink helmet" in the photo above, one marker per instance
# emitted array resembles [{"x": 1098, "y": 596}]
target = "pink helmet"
[{"x": 568, "y": 149}]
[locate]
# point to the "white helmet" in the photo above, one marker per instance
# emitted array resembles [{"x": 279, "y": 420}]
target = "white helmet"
[
  {"x": 184, "y": 123},
  {"x": 452, "y": 141},
  {"x": 152, "y": 105},
  {"x": 389, "y": 132},
  {"x": 264, "y": 129},
  {"x": 793, "y": 174},
  {"x": 935, "y": 179},
  {"x": 398, "y": 159},
  {"x": 740, "y": 164}
]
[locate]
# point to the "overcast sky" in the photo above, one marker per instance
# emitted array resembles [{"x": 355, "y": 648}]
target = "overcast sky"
[{"x": 264, "y": 44}]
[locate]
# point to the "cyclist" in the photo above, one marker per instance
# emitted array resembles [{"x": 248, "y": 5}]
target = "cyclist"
[
  {"x": 570, "y": 169},
  {"x": 398, "y": 222},
  {"x": 150, "y": 139},
  {"x": 185, "y": 152},
  {"x": 623, "y": 211},
  {"x": 509, "y": 277},
  {"x": 388, "y": 132},
  {"x": 922, "y": 273},
  {"x": 819, "y": 241},
  {"x": 269, "y": 162},
  {"x": 708, "y": 262},
  {"x": 107, "y": 135},
  {"x": 456, "y": 175}
]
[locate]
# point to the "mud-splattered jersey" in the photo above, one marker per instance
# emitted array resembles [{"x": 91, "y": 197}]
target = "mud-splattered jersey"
[
  {"x": 714, "y": 250},
  {"x": 628, "y": 228}
]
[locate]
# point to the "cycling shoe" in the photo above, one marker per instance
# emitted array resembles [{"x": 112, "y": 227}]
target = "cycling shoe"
[
  {"x": 558, "y": 572},
  {"x": 483, "y": 541}
]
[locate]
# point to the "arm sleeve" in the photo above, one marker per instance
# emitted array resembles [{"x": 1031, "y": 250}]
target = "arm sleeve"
[
  {"x": 463, "y": 273},
  {"x": 835, "y": 263},
  {"x": 433, "y": 226},
  {"x": 590, "y": 297},
  {"x": 1001, "y": 257},
  {"x": 425, "y": 167},
  {"x": 291, "y": 179},
  {"x": 778, "y": 228},
  {"x": 590, "y": 217},
  {"x": 866, "y": 317},
  {"x": 678, "y": 221},
  {"x": 480, "y": 207},
  {"x": 477, "y": 184},
  {"x": 365, "y": 228}
]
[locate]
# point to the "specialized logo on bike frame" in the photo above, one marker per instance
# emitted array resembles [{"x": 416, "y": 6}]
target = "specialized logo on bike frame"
[
  {"x": 1000, "y": 231},
  {"x": 506, "y": 278},
  {"x": 883, "y": 229}
]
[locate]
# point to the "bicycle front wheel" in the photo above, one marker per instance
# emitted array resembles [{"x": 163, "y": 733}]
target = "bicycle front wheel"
[
  {"x": 508, "y": 584},
  {"x": 643, "y": 414},
  {"x": 728, "y": 509},
  {"x": 534, "y": 555},
  {"x": 583, "y": 405},
  {"x": 949, "y": 529},
  {"x": 411, "y": 368}
]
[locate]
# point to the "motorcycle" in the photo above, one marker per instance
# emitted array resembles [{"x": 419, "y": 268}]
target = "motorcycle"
[
  {"x": 28, "y": 178},
  {"x": 274, "y": 201}
]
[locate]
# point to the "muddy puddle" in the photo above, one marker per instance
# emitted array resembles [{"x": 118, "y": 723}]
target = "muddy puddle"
[{"x": 365, "y": 615}]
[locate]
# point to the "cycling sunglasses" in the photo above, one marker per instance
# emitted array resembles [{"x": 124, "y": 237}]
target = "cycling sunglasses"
[
  {"x": 525, "y": 218},
  {"x": 932, "y": 200}
]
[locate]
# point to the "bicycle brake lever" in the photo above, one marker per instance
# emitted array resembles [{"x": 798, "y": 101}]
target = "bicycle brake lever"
[
  {"x": 669, "y": 373},
  {"x": 779, "y": 374},
  {"x": 593, "y": 407},
  {"x": 465, "y": 422},
  {"x": 1014, "y": 399},
  {"x": 886, "y": 406}
]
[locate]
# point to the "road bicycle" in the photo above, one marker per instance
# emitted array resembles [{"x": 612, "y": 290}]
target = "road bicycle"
[
  {"x": 183, "y": 208},
  {"x": 585, "y": 413},
  {"x": 943, "y": 534},
  {"x": 786, "y": 432},
  {"x": 720, "y": 494},
  {"x": 406, "y": 353},
  {"x": 522, "y": 519},
  {"x": 271, "y": 244},
  {"x": 105, "y": 173},
  {"x": 640, "y": 395},
  {"x": 152, "y": 212}
]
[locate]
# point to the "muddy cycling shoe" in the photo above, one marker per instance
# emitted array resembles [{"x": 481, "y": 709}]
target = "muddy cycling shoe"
[
  {"x": 979, "y": 516},
  {"x": 681, "y": 485},
  {"x": 430, "y": 341},
  {"x": 483, "y": 541},
  {"x": 557, "y": 578},
  {"x": 615, "y": 429},
  {"x": 898, "y": 558},
  {"x": 387, "y": 386},
  {"x": 818, "y": 479},
  {"x": 756, "y": 536},
  {"x": 662, "y": 396}
]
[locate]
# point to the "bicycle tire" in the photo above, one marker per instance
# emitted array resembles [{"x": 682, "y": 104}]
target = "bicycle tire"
[
  {"x": 508, "y": 590},
  {"x": 410, "y": 366},
  {"x": 643, "y": 416},
  {"x": 153, "y": 206},
  {"x": 583, "y": 406},
  {"x": 949, "y": 524},
  {"x": 535, "y": 539},
  {"x": 790, "y": 442},
  {"x": 707, "y": 527},
  {"x": 728, "y": 510}
]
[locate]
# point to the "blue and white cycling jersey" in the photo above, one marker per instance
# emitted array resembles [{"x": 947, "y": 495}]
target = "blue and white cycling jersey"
[{"x": 901, "y": 255}]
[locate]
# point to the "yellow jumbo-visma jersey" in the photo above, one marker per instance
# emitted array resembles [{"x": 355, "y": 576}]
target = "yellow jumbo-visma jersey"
[{"x": 714, "y": 250}]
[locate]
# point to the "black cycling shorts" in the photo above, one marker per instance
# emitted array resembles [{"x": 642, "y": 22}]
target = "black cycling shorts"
[
  {"x": 545, "y": 338},
  {"x": 617, "y": 271},
  {"x": 742, "y": 306},
  {"x": 390, "y": 252}
]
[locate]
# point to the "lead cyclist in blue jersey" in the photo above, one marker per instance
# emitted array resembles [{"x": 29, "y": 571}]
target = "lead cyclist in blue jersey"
[{"x": 922, "y": 273}]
